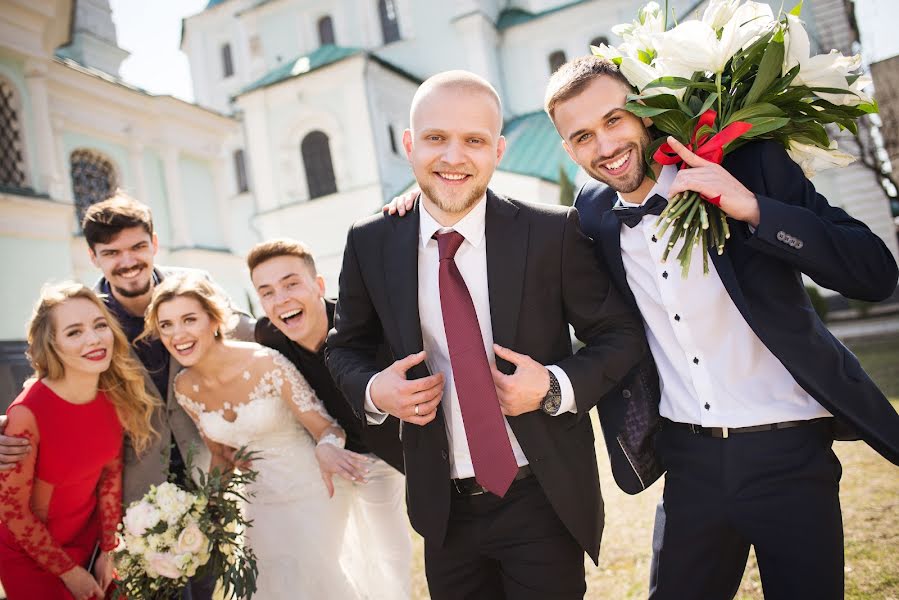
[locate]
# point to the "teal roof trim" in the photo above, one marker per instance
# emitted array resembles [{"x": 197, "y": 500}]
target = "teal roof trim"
[
  {"x": 511, "y": 17},
  {"x": 214, "y": 3},
  {"x": 535, "y": 149},
  {"x": 321, "y": 57}
]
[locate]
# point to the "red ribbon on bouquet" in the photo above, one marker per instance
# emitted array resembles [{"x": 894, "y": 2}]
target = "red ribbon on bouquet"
[{"x": 708, "y": 146}]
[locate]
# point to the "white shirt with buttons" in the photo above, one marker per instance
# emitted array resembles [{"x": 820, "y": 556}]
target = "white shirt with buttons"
[{"x": 714, "y": 370}]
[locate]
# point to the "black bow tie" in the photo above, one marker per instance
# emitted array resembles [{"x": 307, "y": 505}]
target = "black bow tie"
[{"x": 631, "y": 215}]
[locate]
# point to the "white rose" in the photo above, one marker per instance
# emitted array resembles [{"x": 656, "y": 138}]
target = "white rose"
[
  {"x": 164, "y": 564},
  {"x": 191, "y": 540},
  {"x": 140, "y": 517},
  {"x": 813, "y": 158}
]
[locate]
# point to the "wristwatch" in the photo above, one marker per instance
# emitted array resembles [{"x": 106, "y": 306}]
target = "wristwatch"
[{"x": 553, "y": 398}]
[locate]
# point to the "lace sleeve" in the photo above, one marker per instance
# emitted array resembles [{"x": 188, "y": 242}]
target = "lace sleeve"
[
  {"x": 15, "y": 500},
  {"x": 109, "y": 502},
  {"x": 299, "y": 392}
]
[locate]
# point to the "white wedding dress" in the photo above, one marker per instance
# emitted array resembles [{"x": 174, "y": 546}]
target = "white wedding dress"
[{"x": 297, "y": 532}]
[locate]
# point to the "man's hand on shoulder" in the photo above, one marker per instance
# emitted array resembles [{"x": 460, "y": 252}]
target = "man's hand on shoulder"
[
  {"x": 402, "y": 204},
  {"x": 412, "y": 400},
  {"x": 712, "y": 180},
  {"x": 522, "y": 391},
  {"x": 12, "y": 449}
]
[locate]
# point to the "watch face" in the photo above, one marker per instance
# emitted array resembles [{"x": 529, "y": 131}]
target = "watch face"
[{"x": 551, "y": 404}]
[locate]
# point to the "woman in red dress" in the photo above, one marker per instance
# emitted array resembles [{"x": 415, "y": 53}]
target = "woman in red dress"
[{"x": 60, "y": 506}]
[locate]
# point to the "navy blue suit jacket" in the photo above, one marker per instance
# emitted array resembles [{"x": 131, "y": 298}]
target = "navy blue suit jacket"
[{"x": 799, "y": 232}]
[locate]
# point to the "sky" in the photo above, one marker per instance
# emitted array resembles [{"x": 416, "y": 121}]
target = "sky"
[{"x": 151, "y": 31}]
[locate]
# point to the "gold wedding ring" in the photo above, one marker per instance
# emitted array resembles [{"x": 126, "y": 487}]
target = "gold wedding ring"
[{"x": 416, "y": 410}]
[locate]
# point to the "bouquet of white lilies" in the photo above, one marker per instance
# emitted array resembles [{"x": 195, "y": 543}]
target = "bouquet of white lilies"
[
  {"x": 172, "y": 535},
  {"x": 738, "y": 73}
]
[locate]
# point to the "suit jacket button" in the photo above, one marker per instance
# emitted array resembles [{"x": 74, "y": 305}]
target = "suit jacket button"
[
  {"x": 799, "y": 244},
  {"x": 781, "y": 236},
  {"x": 626, "y": 393}
]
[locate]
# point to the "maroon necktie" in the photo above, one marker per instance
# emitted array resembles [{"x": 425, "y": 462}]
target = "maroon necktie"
[{"x": 491, "y": 452}]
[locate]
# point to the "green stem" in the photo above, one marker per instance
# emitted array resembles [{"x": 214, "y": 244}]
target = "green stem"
[{"x": 718, "y": 85}]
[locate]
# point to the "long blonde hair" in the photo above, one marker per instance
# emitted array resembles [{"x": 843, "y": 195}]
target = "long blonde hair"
[{"x": 123, "y": 382}]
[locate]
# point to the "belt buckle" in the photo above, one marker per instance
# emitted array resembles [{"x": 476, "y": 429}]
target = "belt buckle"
[{"x": 480, "y": 491}]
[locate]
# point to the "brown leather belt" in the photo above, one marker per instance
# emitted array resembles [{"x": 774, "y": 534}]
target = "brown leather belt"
[
  {"x": 470, "y": 487},
  {"x": 724, "y": 432}
]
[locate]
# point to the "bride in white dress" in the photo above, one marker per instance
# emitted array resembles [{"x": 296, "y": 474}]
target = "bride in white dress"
[{"x": 243, "y": 394}]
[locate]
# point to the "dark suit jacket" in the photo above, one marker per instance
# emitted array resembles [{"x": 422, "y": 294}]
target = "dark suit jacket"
[
  {"x": 799, "y": 232},
  {"x": 383, "y": 441},
  {"x": 542, "y": 276}
]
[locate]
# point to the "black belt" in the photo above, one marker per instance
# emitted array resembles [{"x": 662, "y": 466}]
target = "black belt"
[
  {"x": 470, "y": 487},
  {"x": 724, "y": 432}
]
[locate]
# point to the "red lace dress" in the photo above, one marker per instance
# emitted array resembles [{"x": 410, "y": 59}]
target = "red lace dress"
[{"x": 64, "y": 498}]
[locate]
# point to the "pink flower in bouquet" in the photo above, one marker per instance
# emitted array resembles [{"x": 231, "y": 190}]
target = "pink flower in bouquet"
[
  {"x": 191, "y": 540},
  {"x": 164, "y": 564}
]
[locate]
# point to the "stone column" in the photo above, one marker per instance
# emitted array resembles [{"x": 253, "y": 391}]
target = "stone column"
[
  {"x": 180, "y": 227},
  {"x": 46, "y": 167}
]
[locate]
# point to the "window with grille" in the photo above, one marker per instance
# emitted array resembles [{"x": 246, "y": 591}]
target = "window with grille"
[
  {"x": 316, "y": 153},
  {"x": 12, "y": 153},
  {"x": 93, "y": 179},
  {"x": 556, "y": 60},
  {"x": 325, "y": 31},
  {"x": 227, "y": 61},
  {"x": 240, "y": 171},
  {"x": 390, "y": 27}
]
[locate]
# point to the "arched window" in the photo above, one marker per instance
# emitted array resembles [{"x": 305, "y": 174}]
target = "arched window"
[
  {"x": 325, "y": 31},
  {"x": 227, "y": 61},
  {"x": 556, "y": 60},
  {"x": 93, "y": 179},
  {"x": 12, "y": 153},
  {"x": 316, "y": 153},
  {"x": 598, "y": 40},
  {"x": 390, "y": 27}
]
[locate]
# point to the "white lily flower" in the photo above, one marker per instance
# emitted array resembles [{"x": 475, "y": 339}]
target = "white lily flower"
[
  {"x": 696, "y": 46},
  {"x": 719, "y": 12},
  {"x": 814, "y": 158},
  {"x": 823, "y": 70},
  {"x": 610, "y": 53},
  {"x": 639, "y": 36},
  {"x": 639, "y": 74}
]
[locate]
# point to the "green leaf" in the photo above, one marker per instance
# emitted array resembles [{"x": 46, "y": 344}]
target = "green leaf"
[
  {"x": 763, "y": 125},
  {"x": 641, "y": 110},
  {"x": 754, "y": 111},
  {"x": 707, "y": 104},
  {"x": 672, "y": 122},
  {"x": 769, "y": 70},
  {"x": 797, "y": 9}
]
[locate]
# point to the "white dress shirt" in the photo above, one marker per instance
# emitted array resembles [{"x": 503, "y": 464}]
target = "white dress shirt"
[
  {"x": 471, "y": 259},
  {"x": 714, "y": 370}
]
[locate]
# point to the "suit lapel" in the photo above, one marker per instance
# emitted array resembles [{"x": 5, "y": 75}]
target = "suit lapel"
[
  {"x": 610, "y": 238},
  {"x": 507, "y": 246},
  {"x": 401, "y": 275}
]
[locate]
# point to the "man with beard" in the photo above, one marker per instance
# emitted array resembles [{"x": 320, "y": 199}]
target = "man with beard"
[
  {"x": 473, "y": 295},
  {"x": 754, "y": 388},
  {"x": 123, "y": 244}
]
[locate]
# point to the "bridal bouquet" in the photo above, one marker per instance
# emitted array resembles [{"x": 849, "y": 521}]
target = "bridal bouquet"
[
  {"x": 174, "y": 534},
  {"x": 738, "y": 73}
]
